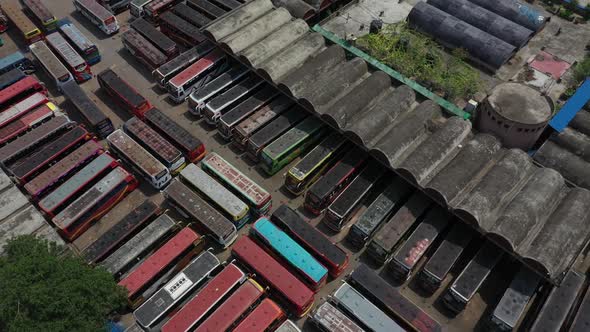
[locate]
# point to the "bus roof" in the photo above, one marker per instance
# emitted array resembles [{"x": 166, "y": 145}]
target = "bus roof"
[
  {"x": 74, "y": 34},
  {"x": 288, "y": 326},
  {"x": 214, "y": 190},
  {"x": 199, "y": 210},
  {"x": 196, "y": 272},
  {"x": 122, "y": 229},
  {"x": 86, "y": 201},
  {"x": 121, "y": 87},
  {"x": 219, "y": 83},
  {"x": 514, "y": 301},
  {"x": 233, "y": 308},
  {"x": 380, "y": 292},
  {"x": 205, "y": 300},
  {"x": 249, "y": 106},
  {"x": 12, "y": 58},
  {"x": 261, "y": 318},
  {"x": 269, "y": 269},
  {"x": 141, "y": 242},
  {"x": 174, "y": 130},
  {"x": 191, "y": 15},
  {"x": 157, "y": 4},
  {"x": 207, "y": 61},
  {"x": 207, "y": 8},
  {"x": 308, "y": 235},
  {"x": 365, "y": 311},
  {"x": 447, "y": 253},
  {"x": 22, "y": 107},
  {"x": 179, "y": 23},
  {"x": 83, "y": 103},
  {"x": 228, "y": 4},
  {"x": 49, "y": 60},
  {"x": 264, "y": 115},
  {"x": 15, "y": 14},
  {"x": 317, "y": 155},
  {"x": 144, "y": 46},
  {"x": 582, "y": 319},
  {"x": 95, "y": 8},
  {"x": 289, "y": 249},
  {"x": 66, "y": 50},
  {"x": 39, "y": 9},
  {"x": 187, "y": 57},
  {"x": 12, "y": 76},
  {"x": 332, "y": 319},
  {"x": 152, "y": 139},
  {"x": 15, "y": 89},
  {"x": 470, "y": 279},
  {"x": 292, "y": 137},
  {"x": 26, "y": 122},
  {"x": 234, "y": 93},
  {"x": 154, "y": 35},
  {"x": 159, "y": 260},
  {"x": 64, "y": 166},
  {"x": 278, "y": 126},
  {"x": 135, "y": 153}
]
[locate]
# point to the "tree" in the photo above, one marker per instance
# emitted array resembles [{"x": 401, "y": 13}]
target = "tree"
[
  {"x": 41, "y": 290},
  {"x": 582, "y": 70}
]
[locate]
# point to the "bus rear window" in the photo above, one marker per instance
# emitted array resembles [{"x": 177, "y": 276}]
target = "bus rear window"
[{"x": 81, "y": 67}]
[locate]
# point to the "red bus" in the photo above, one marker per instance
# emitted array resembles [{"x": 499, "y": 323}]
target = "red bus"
[
  {"x": 30, "y": 166},
  {"x": 69, "y": 57},
  {"x": 71, "y": 189},
  {"x": 158, "y": 263},
  {"x": 59, "y": 171},
  {"x": 123, "y": 93},
  {"x": 153, "y": 9},
  {"x": 143, "y": 50},
  {"x": 293, "y": 292},
  {"x": 94, "y": 203},
  {"x": 19, "y": 91},
  {"x": 28, "y": 121},
  {"x": 22, "y": 107},
  {"x": 265, "y": 317},
  {"x": 230, "y": 311},
  {"x": 191, "y": 146},
  {"x": 205, "y": 300}
]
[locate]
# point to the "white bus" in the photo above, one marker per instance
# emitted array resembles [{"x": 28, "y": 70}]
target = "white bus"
[
  {"x": 136, "y": 7},
  {"x": 51, "y": 64},
  {"x": 224, "y": 102},
  {"x": 98, "y": 15},
  {"x": 198, "y": 99}
]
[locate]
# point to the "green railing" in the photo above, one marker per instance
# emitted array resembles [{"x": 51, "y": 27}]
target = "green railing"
[{"x": 445, "y": 104}]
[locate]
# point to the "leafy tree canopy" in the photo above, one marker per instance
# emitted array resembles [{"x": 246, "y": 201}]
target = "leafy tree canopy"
[{"x": 41, "y": 290}]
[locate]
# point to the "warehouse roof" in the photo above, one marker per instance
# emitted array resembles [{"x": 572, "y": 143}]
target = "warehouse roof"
[{"x": 501, "y": 192}]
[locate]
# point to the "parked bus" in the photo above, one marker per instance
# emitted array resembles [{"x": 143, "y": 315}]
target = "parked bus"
[
  {"x": 313, "y": 164},
  {"x": 98, "y": 15},
  {"x": 291, "y": 144},
  {"x": 292, "y": 293},
  {"x": 125, "y": 228},
  {"x": 196, "y": 75},
  {"x": 380, "y": 292},
  {"x": 28, "y": 121},
  {"x": 155, "y": 37},
  {"x": 556, "y": 309},
  {"x": 230, "y": 120},
  {"x": 328, "y": 187},
  {"x": 29, "y": 141},
  {"x": 72, "y": 60},
  {"x": 258, "y": 120},
  {"x": 180, "y": 30},
  {"x": 351, "y": 197},
  {"x": 272, "y": 130},
  {"x": 265, "y": 317},
  {"x": 26, "y": 168},
  {"x": 326, "y": 252},
  {"x": 224, "y": 102},
  {"x": 123, "y": 93},
  {"x": 87, "y": 49},
  {"x": 314, "y": 273},
  {"x": 512, "y": 306},
  {"x": 235, "y": 307},
  {"x": 142, "y": 49},
  {"x": 444, "y": 258},
  {"x": 206, "y": 300},
  {"x": 58, "y": 172},
  {"x": 413, "y": 249},
  {"x": 154, "y": 9},
  {"x": 581, "y": 321},
  {"x": 192, "y": 148},
  {"x": 388, "y": 201},
  {"x": 51, "y": 64},
  {"x": 328, "y": 318},
  {"x": 139, "y": 159},
  {"x": 150, "y": 237},
  {"x": 41, "y": 14},
  {"x": 171, "y": 68},
  {"x": 10, "y": 77},
  {"x": 228, "y": 5},
  {"x": 164, "y": 300},
  {"x": 207, "y": 8},
  {"x": 287, "y": 326},
  {"x": 93, "y": 203},
  {"x": 472, "y": 277},
  {"x": 192, "y": 16},
  {"x": 115, "y": 6},
  {"x": 249, "y": 191},
  {"x": 155, "y": 144},
  {"x": 19, "y": 91},
  {"x": 21, "y": 108},
  {"x": 16, "y": 60},
  {"x": 72, "y": 188},
  {"x": 199, "y": 98},
  {"x": 136, "y": 7},
  {"x": 182, "y": 245},
  {"x": 233, "y": 208},
  {"x": 208, "y": 219},
  {"x": 386, "y": 238},
  {"x": 24, "y": 26},
  {"x": 354, "y": 304},
  {"x": 92, "y": 115}
]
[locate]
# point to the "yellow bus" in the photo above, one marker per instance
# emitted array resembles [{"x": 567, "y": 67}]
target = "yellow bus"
[
  {"x": 21, "y": 22},
  {"x": 42, "y": 14}
]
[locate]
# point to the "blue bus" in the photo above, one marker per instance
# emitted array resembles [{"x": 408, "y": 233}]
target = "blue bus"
[
  {"x": 300, "y": 259},
  {"x": 79, "y": 41},
  {"x": 16, "y": 60}
]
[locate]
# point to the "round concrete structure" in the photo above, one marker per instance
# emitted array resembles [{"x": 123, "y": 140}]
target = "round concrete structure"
[{"x": 515, "y": 113}]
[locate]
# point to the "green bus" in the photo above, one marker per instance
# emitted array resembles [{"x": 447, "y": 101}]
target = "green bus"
[
  {"x": 310, "y": 167},
  {"x": 292, "y": 144}
]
